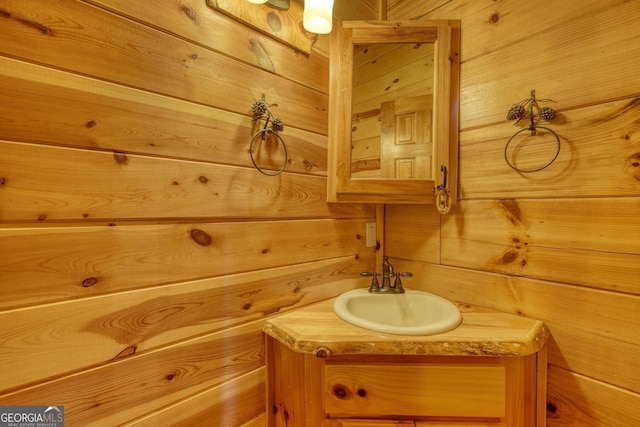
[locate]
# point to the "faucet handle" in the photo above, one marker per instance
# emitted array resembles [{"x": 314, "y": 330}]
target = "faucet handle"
[
  {"x": 375, "y": 285},
  {"x": 397, "y": 285}
]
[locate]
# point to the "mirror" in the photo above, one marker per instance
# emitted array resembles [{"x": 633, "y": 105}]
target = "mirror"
[
  {"x": 391, "y": 110},
  {"x": 393, "y": 121}
]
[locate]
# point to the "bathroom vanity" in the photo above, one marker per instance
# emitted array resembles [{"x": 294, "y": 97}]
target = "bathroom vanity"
[{"x": 322, "y": 371}]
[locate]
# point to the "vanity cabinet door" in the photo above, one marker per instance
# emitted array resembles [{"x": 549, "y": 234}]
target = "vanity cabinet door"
[{"x": 415, "y": 390}]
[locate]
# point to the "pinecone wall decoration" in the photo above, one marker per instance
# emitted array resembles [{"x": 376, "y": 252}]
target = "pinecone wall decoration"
[
  {"x": 531, "y": 109},
  {"x": 261, "y": 110},
  {"x": 267, "y": 135},
  {"x": 525, "y": 109}
]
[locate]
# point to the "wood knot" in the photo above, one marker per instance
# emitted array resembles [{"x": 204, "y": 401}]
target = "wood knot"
[
  {"x": 323, "y": 352},
  {"x": 129, "y": 351},
  {"x": 191, "y": 14},
  {"x": 274, "y": 22},
  {"x": 203, "y": 179},
  {"x": 511, "y": 210},
  {"x": 509, "y": 257},
  {"x": 634, "y": 160},
  {"x": 494, "y": 18},
  {"x": 120, "y": 158},
  {"x": 200, "y": 237},
  {"x": 362, "y": 392},
  {"x": 91, "y": 124},
  {"x": 340, "y": 392},
  {"x": 89, "y": 282},
  {"x": 308, "y": 165}
]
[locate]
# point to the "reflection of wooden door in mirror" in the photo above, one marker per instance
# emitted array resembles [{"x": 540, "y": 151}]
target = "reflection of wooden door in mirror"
[{"x": 405, "y": 130}]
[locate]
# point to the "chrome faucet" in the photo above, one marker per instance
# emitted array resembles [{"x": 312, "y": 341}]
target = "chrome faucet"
[{"x": 387, "y": 274}]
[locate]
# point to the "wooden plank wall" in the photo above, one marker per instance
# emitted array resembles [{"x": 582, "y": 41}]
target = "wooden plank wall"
[
  {"x": 563, "y": 244},
  {"x": 141, "y": 251}
]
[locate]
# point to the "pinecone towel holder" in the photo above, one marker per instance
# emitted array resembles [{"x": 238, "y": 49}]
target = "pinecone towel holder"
[
  {"x": 525, "y": 109},
  {"x": 272, "y": 125}
]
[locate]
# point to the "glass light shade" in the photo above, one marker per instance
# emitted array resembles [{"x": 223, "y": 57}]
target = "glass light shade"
[
  {"x": 317, "y": 17},
  {"x": 257, "y": 1}
]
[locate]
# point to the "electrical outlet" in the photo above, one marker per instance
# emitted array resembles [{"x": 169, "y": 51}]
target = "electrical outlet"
[{"x": 371, "y": 234}]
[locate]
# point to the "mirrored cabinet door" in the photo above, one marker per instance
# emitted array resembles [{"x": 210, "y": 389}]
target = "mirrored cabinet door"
[{"x": 393, "y": 120}]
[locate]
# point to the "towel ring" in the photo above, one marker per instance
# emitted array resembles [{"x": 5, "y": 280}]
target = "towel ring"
[
  {"x": 263, "y": 136},
  {"x": 533, "y": 129}
]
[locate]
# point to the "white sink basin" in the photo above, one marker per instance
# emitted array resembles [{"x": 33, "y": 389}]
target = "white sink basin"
[{"x": 412, "y": 313}]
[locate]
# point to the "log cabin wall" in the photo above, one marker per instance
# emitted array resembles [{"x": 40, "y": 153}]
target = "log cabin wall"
[
  {"x": 563, "y": 244},
  {"x": 141, "y": 251}
]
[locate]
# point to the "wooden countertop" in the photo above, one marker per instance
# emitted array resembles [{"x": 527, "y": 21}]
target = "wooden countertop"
[{"x": 316, "y": 329}]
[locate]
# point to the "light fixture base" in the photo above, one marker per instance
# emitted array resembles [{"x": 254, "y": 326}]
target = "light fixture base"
[{"x": 279, "y": 4}]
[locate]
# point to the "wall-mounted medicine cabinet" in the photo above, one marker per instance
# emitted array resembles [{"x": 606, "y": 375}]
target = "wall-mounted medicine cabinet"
[{"x": 393, "y": 119}]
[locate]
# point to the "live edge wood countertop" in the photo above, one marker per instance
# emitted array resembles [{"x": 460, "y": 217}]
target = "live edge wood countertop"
[{"x": 316, "y": 329}]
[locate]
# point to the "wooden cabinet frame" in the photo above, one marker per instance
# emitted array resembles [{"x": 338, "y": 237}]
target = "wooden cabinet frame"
[
  {"x": 341, "y": 186},
  {"x": 297, "y": 390}
]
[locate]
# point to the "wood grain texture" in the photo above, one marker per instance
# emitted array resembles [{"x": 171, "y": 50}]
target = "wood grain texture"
[
  {"x": 215, "y": 407},
  {"x": 559, "y": 245},
  {"x": 117, "y": 392},
  {"x": 518, "y": 46},
  {"x": 599, "y": 156},
  {"x": 53, "y": 184},
  {"x": 61, "y": 263},
  {"x": 579, "y": 241},
  {"x": 123, "y": 324},
  {"x": 483, "y": 332},
  {"x": 584, "y": 324},
  {"x": 45, "y": 106},
  {"x": 283, "y": 25},
  {"x": 576, "y": 400},
  {"x": 412, "y": 232},
  {"x": 163, "y": 63},
  {"x": 132, "y": 289},
  {"x": 413, "y": 389},
  {"x": 367, "y": 388},
  {"x": 195, "y": 21}
]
